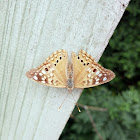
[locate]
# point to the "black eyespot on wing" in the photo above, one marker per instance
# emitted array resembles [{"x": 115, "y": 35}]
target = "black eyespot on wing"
[
  {"x": 57, "y": 61},
  {"x": 55, "y": 64}
]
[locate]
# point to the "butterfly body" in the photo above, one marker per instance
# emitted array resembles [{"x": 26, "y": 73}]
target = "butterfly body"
[
  {"x": 81, "y": 72},
  {"x": 70, "y": 82}
]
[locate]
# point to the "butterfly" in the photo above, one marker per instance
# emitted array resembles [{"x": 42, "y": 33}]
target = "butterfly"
[{"x": 82, "y": 72}]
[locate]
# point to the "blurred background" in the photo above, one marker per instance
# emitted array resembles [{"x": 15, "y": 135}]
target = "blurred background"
[{"x": 112, "y": 111}]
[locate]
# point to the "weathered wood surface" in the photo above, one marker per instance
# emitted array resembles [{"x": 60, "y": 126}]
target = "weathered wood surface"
[{"x": 31, "y": 30}]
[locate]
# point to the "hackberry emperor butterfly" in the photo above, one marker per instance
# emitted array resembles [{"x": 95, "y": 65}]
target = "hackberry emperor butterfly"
[{"x": 82, "y": 72}]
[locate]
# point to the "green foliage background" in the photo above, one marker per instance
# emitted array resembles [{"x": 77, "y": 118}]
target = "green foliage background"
[{"x": 121, "y": 97}]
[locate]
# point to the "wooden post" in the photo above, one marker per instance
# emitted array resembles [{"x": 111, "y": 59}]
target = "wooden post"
[{"x": 30, "y": 31}]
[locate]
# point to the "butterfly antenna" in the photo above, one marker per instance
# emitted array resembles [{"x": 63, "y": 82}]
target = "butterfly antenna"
[
  {"x": 76, "y": 103},
  {"x": 63, "y": 101}
]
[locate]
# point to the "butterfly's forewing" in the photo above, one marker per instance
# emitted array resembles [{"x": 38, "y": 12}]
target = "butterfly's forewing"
[
  {"x": 88, "y": 73},
  {"x": 52, "y": 72}
]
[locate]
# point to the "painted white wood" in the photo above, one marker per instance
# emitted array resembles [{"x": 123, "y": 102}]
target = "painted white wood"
[{"x": 30, "y": 31}]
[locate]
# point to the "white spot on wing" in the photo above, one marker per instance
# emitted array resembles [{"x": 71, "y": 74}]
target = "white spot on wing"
[
  {"x": 97, "y": 72},
  {"x": 104, "y": 79},
  {"x": 35, "y": 78},
  {"x": 51, "y": 74},
  {"x": 43, "y": 71},
  {"x": 43, "y": 82},
  {"x": 89, "y": 75},
  {"x": 89, "y": 69},
  {"x": 43, "y": 78},
  {"x": 97, "y": 79},
  {"x": 100, "y": 75},
  {"x": 87, "y": 58},
  {"x": 97, "y": 83},
  {"x": 40, "y": 74}
]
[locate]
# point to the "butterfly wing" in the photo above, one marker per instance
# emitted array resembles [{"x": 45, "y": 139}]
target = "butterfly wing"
[
  {"x": 88, "y": 73},
  {"x": 52, "y": 72}
]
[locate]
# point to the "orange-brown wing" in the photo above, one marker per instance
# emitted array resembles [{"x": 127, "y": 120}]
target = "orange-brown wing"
[
  {"x": 88, "y": 73},
  {"x": 52, "y": 72}
]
